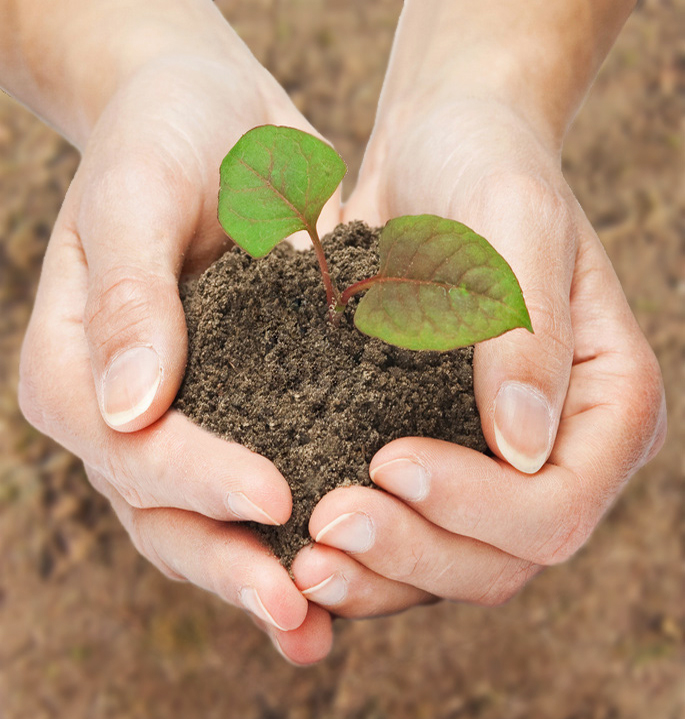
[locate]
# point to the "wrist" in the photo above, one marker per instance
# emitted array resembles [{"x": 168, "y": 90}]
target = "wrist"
[
  {"x": 538, "y": 59},
  {"x": 101, "y": 46}
]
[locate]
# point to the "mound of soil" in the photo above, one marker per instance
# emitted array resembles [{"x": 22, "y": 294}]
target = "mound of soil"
[{"x": 268, "y": 370}]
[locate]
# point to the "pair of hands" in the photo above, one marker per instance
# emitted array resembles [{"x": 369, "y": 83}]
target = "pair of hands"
[{"x": 105, "y": 353}]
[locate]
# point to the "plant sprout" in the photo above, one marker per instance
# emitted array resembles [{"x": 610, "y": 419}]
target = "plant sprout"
[{"x": 439, "y": 286}]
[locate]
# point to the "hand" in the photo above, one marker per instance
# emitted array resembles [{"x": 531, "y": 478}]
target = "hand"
[
  {"x": 570, "y": 412},
  {"x": 105, "y": 350}
]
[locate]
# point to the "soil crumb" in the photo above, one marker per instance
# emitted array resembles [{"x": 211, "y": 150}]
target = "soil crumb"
[{"x": 268, "y": 370}]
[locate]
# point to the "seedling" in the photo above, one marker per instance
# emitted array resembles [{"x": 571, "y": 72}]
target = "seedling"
[{"x": 439, "y": 286}]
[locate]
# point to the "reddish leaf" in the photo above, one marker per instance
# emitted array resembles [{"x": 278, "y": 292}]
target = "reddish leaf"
[
  {"x": 440, "y": 286},
  {"x": 274, "y": 182}
]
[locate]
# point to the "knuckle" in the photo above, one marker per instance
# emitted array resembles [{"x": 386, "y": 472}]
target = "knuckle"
[
  {"x": 123, "y": 476},
  {"x": 168, "y": 473},
  {"x": 143, "y": 537},
  {"x": 572, "y": 529},
  {"x": 552, "y": 324},
  {"x": 505, "y": 584},
  {"x": 100, "y": 484},
  {"x": 131, "y": 495},
  {"x": 118, "y": 305},
  {"x": 498, "y": 596},
  {"x": 169, "y": 453},
  {"x": 643, "y": 406},
  {"x": 412, "y": 566},
  {"x": 224, "y": 574},
  {"x": 648, "y": 392}
]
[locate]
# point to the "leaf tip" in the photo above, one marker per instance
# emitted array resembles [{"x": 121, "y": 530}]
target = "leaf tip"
[{"x": 527, "y": 323}]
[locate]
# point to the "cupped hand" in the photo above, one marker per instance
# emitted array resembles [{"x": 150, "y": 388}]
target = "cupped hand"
[
  {"x": 570, "y": 412},
  {"x": 105, "y": 350}
]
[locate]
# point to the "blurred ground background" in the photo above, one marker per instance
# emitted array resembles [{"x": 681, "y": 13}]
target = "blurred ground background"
[{"x": 88, "y": 629}]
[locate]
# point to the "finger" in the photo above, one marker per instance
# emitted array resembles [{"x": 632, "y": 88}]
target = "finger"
[
  {"x": 521, "y": 379},
  {"x": 136, "y": 217},
  {"x": 613, "y": 422},
  {"x": 334, "y": 580},
  {"x": 616, "y": 407},
  {"x": 175, "y": 463},
  {"x": 308, "y": 644},
  {"x": 172, "y": 463},
  {"x": 392, "y": 540},
  {"x": 469, "y": 494},
  {"x": 222, "y": 558}
]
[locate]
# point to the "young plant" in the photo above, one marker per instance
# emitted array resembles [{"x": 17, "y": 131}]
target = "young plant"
[{"x": 439, "y": 286}]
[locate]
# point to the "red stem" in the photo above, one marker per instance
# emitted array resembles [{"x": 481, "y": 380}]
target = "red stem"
[
  {"x": 332, "y": 294},
  {"x": 355, "y": 288}
]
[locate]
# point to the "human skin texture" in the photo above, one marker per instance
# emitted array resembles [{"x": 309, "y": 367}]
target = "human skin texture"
[
  {"x": 570, "y": 412},
  {"x": 470, "y": 126},
  {"x": 153, "y": 94}
]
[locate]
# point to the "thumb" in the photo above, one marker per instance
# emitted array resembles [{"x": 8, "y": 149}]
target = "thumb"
[
  {"x": 521, "y": 379},
  {"x": 134, "y": 228}
]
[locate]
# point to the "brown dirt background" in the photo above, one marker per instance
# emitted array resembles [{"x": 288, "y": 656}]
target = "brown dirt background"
[{"x": 89, "y": 629}]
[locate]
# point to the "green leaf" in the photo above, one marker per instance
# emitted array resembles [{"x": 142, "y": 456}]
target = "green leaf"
[
  {"x": 275, "y": 181},
  {"x": 440, "y": 286}
]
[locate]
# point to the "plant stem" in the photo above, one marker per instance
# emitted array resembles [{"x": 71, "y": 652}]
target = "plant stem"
[
  {"x": 356, "y": 288},
  {"x": 332, "y": 294}
]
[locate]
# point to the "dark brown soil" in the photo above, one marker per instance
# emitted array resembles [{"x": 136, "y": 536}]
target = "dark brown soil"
[{"x": 268, "y": 370}]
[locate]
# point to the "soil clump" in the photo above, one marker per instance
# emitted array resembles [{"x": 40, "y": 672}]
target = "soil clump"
[{"x": 268, "y": 370}]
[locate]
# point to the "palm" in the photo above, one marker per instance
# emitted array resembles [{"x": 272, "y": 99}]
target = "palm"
[
  {"x": 456, "y": 161},
  {"x": 600, "y": 377},
  {"x": 180, "y": 121},
  {"x": 140, "y": 212}
]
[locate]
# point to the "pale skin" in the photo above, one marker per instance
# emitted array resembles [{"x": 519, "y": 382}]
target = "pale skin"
[{"x": 154, "y": 94}]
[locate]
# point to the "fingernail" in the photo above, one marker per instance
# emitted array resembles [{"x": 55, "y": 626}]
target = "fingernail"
[
  {"x": 244, "y": 508},
  {"x": 250, "y": 599},
  {"x": 353, "y": 532},
  {"x": 523, "y": 426},
  {"x": 328, "y": 593},
  {"x": 279, "y": 649},
  {"x": 130, "y": 385},
  {"x": 403, "y": 478}
]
